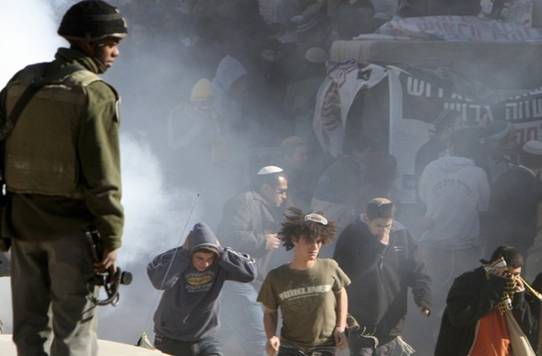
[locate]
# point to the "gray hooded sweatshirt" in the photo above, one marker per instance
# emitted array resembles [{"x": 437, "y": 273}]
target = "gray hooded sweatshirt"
[
  {"x": 188, "y": 310},
  {"x": 454, "y": 191}
]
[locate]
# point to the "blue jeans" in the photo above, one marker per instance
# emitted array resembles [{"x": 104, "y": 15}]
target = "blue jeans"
[
  {"x": 207, "y": 346},
  {"x": 242, "y": 315}
]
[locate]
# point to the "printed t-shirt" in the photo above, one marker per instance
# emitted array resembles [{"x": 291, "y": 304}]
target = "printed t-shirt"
[{"x": 307, "y": 301}]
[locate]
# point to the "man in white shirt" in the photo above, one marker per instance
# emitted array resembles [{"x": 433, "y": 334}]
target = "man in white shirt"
[{"x": 455, "y": 193}]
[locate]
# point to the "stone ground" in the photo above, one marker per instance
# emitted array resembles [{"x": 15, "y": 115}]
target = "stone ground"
[{"x": 106, "y": 348}]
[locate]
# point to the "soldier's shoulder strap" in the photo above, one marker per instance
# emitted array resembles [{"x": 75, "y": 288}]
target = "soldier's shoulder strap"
[
  {"x": 21, "y": 103},
  {"x": 83, "y": 77},
  {"x": 79, "y": 75},
  {"x": 71, "y": 72}
]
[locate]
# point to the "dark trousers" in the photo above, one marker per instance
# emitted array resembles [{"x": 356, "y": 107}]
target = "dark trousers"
[
  {"x": 396, "y": 347},
  {"x": 50, "y": 297},
  {"x": 317, "y": 351},
  {"x": 207, "y": 346}
]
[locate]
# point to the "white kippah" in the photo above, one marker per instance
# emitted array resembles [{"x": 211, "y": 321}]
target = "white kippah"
[
  {"x": 533, "y": 147},
  {"x": 269, "y": 170},
  {"x": 316, "y": 218}
]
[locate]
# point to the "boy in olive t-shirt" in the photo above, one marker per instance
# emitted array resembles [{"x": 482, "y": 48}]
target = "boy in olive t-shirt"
[{"x": 309, "y": 291}]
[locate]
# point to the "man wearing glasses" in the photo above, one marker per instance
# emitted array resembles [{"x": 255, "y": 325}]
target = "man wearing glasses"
[{"x": 250, "y": 223}]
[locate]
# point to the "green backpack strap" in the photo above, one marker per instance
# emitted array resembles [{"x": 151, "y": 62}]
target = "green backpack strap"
[{"x": 79, "y": 75}]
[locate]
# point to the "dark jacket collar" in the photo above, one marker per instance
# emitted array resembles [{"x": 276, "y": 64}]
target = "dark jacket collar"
[{"x": 74, "y": 56}]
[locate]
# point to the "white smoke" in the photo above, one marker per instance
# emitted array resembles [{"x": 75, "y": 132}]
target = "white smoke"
[
  {"x": 156, "y": 218},
  {"x": 28, "y": 30}
]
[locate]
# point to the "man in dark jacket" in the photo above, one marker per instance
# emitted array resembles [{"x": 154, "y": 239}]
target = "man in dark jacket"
[
  {"x": 485, "y": 307},
  {"x": 192, "y": 277},
  {"x": 382, "y": 260}
]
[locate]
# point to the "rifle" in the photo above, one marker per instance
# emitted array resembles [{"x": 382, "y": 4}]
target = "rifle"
[{"x": 109, "y": 280}]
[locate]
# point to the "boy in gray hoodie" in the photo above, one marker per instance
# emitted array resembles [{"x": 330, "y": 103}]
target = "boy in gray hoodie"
[{"x": 191, "y": 277}]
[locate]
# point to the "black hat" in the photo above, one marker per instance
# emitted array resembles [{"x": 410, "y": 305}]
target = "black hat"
[{"x": 92, "y": 20}]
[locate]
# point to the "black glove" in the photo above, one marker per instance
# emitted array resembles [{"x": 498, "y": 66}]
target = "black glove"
[{"x": 496, "y": 286}]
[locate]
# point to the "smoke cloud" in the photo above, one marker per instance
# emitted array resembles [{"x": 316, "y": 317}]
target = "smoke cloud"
[{"x": 31, "y": 25}]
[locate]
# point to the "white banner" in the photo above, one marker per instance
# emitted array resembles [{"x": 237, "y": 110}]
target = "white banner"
[
  {"x": 414, "y": 103},
  {"x": 335, "y": 97}
]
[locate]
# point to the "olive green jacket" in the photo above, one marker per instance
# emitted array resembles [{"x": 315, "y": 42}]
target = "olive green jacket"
[{"x": 77, "y": 182}]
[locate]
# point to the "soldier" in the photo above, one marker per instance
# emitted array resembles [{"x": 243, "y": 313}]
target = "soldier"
[{"x": 62, "y": 173}]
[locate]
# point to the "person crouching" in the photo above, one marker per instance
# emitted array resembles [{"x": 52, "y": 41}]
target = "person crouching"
[{"x": 192, "y": 277}]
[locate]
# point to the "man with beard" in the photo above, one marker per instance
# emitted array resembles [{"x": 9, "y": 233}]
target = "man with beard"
[{"x": 250, "y": 223}]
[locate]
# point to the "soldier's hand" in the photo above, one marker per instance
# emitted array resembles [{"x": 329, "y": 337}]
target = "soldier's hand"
[
  {"x": 272, "y": 241},
  {"x": 108, "y": 262},
  {"x": 340, "y": 338},
  {"x": 272, "y": 346}
]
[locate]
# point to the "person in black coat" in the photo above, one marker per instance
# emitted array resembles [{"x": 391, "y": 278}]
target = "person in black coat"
[
  {"x": 382, "y": 260},
  {"x": 474, "y": 320}
]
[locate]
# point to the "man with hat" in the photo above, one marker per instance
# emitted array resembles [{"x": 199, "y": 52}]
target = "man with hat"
[
  {"x": 250, "y": 223},
  {"x": 487, "y": 310},
  {"x": 192, "y": 277},
  {"x": 59, "y": 126}
]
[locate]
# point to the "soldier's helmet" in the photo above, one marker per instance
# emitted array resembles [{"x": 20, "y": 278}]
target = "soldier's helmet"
[{"x": 92, "y": 20}]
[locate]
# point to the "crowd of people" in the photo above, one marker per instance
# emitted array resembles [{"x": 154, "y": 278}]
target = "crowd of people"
[
  {"x": 255, "y": 71},
  {"x": 241, "y": 136},
  {"x": 251, "y": 71}
]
